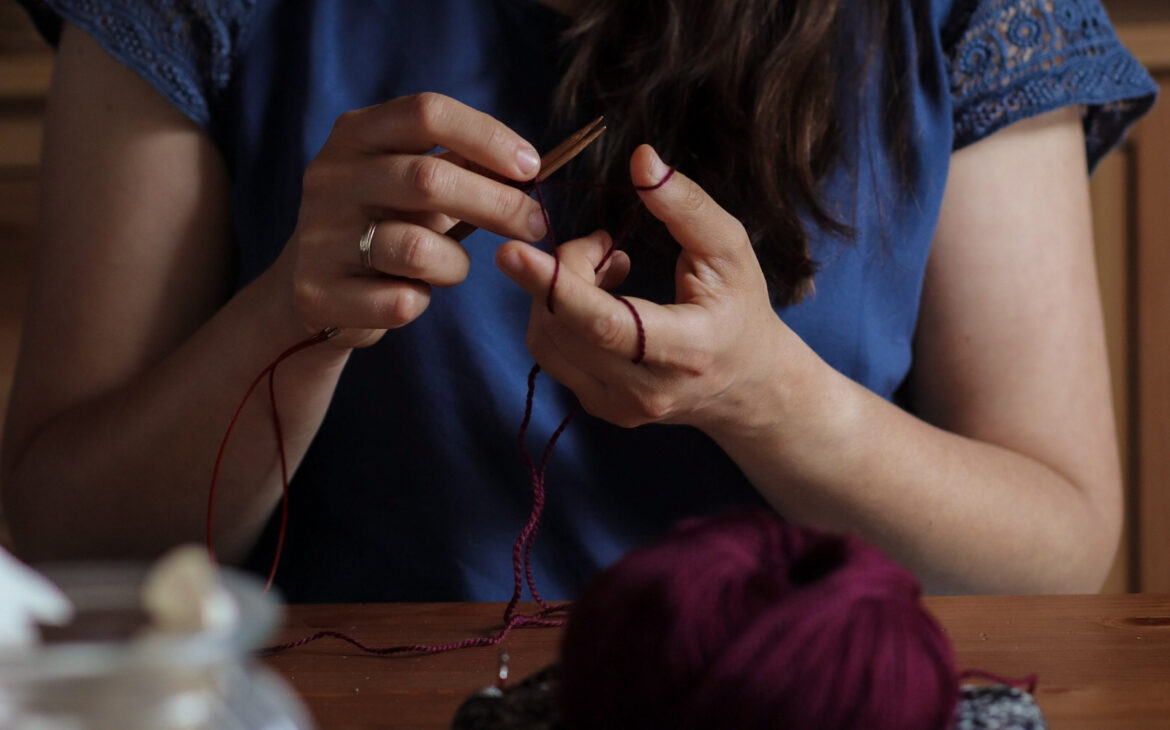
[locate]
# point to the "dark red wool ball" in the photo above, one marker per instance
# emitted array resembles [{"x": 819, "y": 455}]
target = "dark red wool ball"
[{"x": 747, "y": 622}]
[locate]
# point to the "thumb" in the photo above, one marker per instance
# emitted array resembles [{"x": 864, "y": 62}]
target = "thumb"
[{"x": 693, "y": 218}]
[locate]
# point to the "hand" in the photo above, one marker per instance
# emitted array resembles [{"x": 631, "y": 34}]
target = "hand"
[
  {"x": 709, "y": 357},
  {"x": 376, "y": 166}
]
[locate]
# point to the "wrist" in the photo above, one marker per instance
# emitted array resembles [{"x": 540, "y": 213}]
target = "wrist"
[
  {"x": 280, "y": 325},
  {"x": 790, "y": 398}
]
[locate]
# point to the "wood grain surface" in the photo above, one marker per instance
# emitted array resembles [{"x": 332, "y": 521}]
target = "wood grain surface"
[{"x": 1103, "y": 661}]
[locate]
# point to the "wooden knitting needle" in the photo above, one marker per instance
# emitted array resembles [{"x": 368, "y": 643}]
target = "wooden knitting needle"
[{"x": 552, "y": 161}]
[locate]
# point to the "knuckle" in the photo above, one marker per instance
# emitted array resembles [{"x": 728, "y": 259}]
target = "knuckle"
[
  {"x": 316, "y": 178},
  {"x": 608, "y": 330},
  {"x": 414, "y": 250},
  {"x": 429, "y": 178},
  {"x": 511, "y": 205},
  {"x": 405, "y": 306},
  {"x": 496, "y": 138},
  {"x": 428, "y": 109},
  {"x": 343, "y": 123},
  {"x": 655, "y": 406},
  {"x": 308, "y": 298}
]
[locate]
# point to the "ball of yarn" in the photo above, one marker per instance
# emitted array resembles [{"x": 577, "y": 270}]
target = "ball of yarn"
[{"x": 745, "y": 621}]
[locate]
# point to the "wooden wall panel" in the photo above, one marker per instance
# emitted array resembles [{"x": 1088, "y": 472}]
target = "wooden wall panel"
[
  {"x": 1144, "y": 26},
  {"x": 1153, "y": 354},
  {"x": 1112, "y": 229}
]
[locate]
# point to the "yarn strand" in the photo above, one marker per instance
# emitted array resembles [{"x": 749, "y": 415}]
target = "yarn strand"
[
  {"x": 522, "y": 569},
  {"x": 268, "y": 372}
]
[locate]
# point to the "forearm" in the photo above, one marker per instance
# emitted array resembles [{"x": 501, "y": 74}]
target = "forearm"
[
  {"x": 966, "y": 515},
  {"x": 127, "y": 473}
]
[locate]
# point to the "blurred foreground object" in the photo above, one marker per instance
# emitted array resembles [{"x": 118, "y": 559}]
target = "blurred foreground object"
[
  {"x": 168, "y": 648},
  {"x": 27, "y": 598}
]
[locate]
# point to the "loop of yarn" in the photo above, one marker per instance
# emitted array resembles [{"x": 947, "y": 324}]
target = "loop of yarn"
[
  {"x": 522, "y": 569},
  {"x": 745, "y": 621}
]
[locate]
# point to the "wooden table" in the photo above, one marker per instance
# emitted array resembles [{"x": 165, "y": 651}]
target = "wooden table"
[{"x": 1103, "y": 661}]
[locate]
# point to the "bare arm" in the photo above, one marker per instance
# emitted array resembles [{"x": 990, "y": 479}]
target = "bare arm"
[
  {"x": 135, "y": 353},
  {"x": 121, "y": 386},
  {"x": 1009, "y": 479}
]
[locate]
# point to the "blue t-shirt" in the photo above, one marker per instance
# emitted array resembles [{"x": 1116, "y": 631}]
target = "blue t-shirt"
[{"x": 413, "y": 488}]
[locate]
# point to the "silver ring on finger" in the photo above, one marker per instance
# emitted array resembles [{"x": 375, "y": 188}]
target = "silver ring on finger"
[{"x": 364, "y": 246}]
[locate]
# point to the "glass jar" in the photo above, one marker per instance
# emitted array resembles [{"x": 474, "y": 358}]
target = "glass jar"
[{"x": 108, "y": 671}]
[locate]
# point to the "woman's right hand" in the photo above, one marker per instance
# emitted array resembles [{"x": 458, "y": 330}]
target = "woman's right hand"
[{"x": 378, "y": 166}]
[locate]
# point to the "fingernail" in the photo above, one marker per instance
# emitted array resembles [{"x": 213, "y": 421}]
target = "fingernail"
[
  {"x": 527, "y": 160},
  {"x": 659, "y": 170},
  {"x": 656, "y": 171},
  {"x": 510, "y": 262},
  {"x": 537, "y": 225}
]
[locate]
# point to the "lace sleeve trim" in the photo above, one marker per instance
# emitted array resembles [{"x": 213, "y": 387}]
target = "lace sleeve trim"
[
  {"x": 186, "y": 49},
  {"x": 1020, "y": 58}
]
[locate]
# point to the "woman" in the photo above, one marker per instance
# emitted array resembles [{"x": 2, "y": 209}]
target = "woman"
[{"x": 943, "y": 391}]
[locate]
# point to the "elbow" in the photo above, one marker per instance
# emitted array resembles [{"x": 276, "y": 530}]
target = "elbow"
[
  {"x": 1093, "y": 541},
  {"x": 1099, "y": 564}
]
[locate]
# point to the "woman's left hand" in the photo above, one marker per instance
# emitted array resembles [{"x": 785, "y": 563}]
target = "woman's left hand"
[{"x": 708, "y": 357}]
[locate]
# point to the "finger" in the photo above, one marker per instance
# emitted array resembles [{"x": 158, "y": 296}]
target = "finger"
[
  {"x": 600, "y": 318},
  {"x": 578, "y": 302},
  {"x": 573, "y": 360},
  {"x": 614, "y": 271},
  {"x": 416, "y": 252},
  {"x": 563, "y": 367},
  {"x": 605, "y": 385},
  {"x": 595, "y": 257},
  {"x": 367, "y": 302},
  {"x": 585, "y": 256},
  {"x": 693, "y": 218},
  {"x": 418, "y": 124},
  {"x": 432, "y": 184},
  {"x": 437, "y": 222},
  {"x": 460, "y": 160}
]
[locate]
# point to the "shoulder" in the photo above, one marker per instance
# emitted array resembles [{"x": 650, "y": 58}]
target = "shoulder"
[
  {"x": 1009, "y": 60},
  {"x": 186, "y": 49}
]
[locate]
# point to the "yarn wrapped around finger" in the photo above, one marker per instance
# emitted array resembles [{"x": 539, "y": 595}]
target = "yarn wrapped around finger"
[{"x": 744, "y": 621}]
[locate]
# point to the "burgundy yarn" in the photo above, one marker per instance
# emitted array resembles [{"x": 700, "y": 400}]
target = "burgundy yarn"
[
  {"x": 646, "y": 188},
  {"x": 552, "y": 285},
  {"x": 741, "y": 621},
  {"x": 522, "y": 547},
  {"x": 270, "y": 373},
  {"x": 747, "y": 622},
  {"x": 640, "y": 354}
]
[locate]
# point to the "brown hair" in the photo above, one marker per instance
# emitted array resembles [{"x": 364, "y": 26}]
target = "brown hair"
[{"x": 751, "y": 98}]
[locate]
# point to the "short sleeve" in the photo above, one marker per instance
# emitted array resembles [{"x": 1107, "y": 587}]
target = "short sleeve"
[
  {"x": 1014, "y": 59},
  {"x": 186, "y": 49}
]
